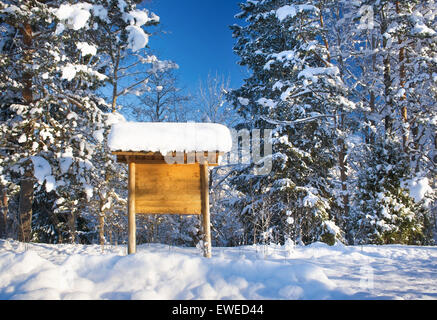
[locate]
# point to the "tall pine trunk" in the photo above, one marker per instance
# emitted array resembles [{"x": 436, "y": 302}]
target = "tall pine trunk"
[
  {"x": 340, "y": 142},
  {"x": 387, "y": 75},
  {"x": 342, "y": 161},
  {"x": 370, "y": 136},
  {"x": 102, "y": 228},
  {"x": 25, "y": 207},
  {"x": 4, "y": 212},
  {"x": 404, "y": 112},
  {"x": 26, "y": 184},
  {"x": 27, "y": 34}
]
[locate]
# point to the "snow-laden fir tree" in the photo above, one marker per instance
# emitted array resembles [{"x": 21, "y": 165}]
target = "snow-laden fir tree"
[
  {"x": 414, "y": 35},
  {"x": 294, "y": 89},
  {"x": 390, "y": 50},
  {"x": 388, "y": 209},
  {"x": 395, "y": 43},
  {"x": 53, "y": 126}
]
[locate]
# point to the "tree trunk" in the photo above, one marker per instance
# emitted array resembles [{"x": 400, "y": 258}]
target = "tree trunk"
[
  {"x": 404, "y": 112},
  {"x": 72, "y": 226},
  {"x": 114, "y": 99},
  {"x": 435, "y": 148},
  {"x": 325, "y": 40},
  {"x": 26, "y": 184},
  {"x": 341, "y": 143},
  {"x": 343, "y": 170},
  {"x": 370, "y": 136},
  {"x": 102, "y": 229},
  {"x": 387, "y": 76},
  {"x": 25, "y": 208},
  {"x": 3, "y": 219},
  {"x": 27, "y": 33},
  {"x": 115, "y": 81}
]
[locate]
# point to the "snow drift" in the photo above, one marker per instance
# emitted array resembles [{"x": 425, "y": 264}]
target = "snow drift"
[{"x": 40, "y": 271}]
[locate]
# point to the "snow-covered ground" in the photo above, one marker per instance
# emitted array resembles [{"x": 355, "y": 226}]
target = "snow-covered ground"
[{"x": 41, "y": 271}]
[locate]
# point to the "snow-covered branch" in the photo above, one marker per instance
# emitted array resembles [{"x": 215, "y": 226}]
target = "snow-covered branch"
[{"x": 291, "y": 123}]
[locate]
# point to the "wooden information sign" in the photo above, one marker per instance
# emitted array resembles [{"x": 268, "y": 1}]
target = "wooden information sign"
[
  {"x": 158, "y": 187},
  {"x": 166, "y": 181},
  {"x": 167, "y": 189}
]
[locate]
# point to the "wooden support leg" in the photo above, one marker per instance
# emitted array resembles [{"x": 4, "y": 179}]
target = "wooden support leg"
[
  {"x": 131, "y": 210},
  {"x": 204, "y": 177}
]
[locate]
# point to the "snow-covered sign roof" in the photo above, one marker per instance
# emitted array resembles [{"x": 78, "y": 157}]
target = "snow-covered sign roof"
[{"x": 169, "y": 137}]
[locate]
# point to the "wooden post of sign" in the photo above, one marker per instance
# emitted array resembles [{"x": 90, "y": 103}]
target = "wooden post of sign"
[
  {"x": 204, "y": 184},
  {"x": 131, "y": 209}
]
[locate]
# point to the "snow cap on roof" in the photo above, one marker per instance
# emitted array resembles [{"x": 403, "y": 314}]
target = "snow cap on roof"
[{"x": 169, "y": 137}]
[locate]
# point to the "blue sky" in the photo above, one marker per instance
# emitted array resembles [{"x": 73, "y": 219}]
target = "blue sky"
[{"x": 197, "y": 37}]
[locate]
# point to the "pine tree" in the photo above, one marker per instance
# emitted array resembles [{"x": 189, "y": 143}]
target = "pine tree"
[
  {"x": 53, "y": 125},
  {"x": 386, "y": 40},
  {"x": 295, "y": 90},
  {"x": 385, "y": 212}
]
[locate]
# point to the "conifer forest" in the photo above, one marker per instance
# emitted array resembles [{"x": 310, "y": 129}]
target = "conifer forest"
[{"x": 339, "y": 103}]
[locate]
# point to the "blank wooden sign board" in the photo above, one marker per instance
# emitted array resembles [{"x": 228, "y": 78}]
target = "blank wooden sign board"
[{"x": 168, "y": 169}]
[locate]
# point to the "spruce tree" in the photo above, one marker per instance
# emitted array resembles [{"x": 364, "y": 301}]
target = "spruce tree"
[
  {"x": 385, "y": 211},
  {"x": 295, "y": 90},
  {"x": 53, "y": 126},
  {"x": 390, "y": 45}
]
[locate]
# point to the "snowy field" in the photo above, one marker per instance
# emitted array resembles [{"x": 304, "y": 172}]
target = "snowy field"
[{"x": 41, "y": 271}]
